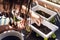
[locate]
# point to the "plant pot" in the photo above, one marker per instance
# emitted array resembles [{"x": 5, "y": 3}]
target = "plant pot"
[
  {"x": 51, "y": 5},
  {"x": 44, "y": 12},
  {"x": 45, "y": 30},
  {"x": 11, "y": 33}
]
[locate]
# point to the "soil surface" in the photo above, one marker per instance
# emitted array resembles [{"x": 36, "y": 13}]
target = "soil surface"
[
  {"x": 11, "y": 38},
  {"x": 42, "y": 28},
  {"x": 43, "y": 13}
]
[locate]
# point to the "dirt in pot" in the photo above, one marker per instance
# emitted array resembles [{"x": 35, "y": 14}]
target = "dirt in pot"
[
  {"x": 43, "y": 13},
  {"x": 42, "y": 28},
  {"x": 11, "y": 38},
  {"x": 33, "y": 37}
]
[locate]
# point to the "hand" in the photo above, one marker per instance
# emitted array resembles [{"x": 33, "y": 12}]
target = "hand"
[{"x": 36, "y": 18}]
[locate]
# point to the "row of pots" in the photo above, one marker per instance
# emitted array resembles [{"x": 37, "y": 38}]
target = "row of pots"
[{"x": 45, "y": 22}]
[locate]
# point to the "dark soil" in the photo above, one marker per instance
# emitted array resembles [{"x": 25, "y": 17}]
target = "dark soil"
[
  {"x": 43, "y": 13},
  {"x": 34, "y": 37},
  {"x": 11, "y": 38},
  {"x": 42, "y": 28}
]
